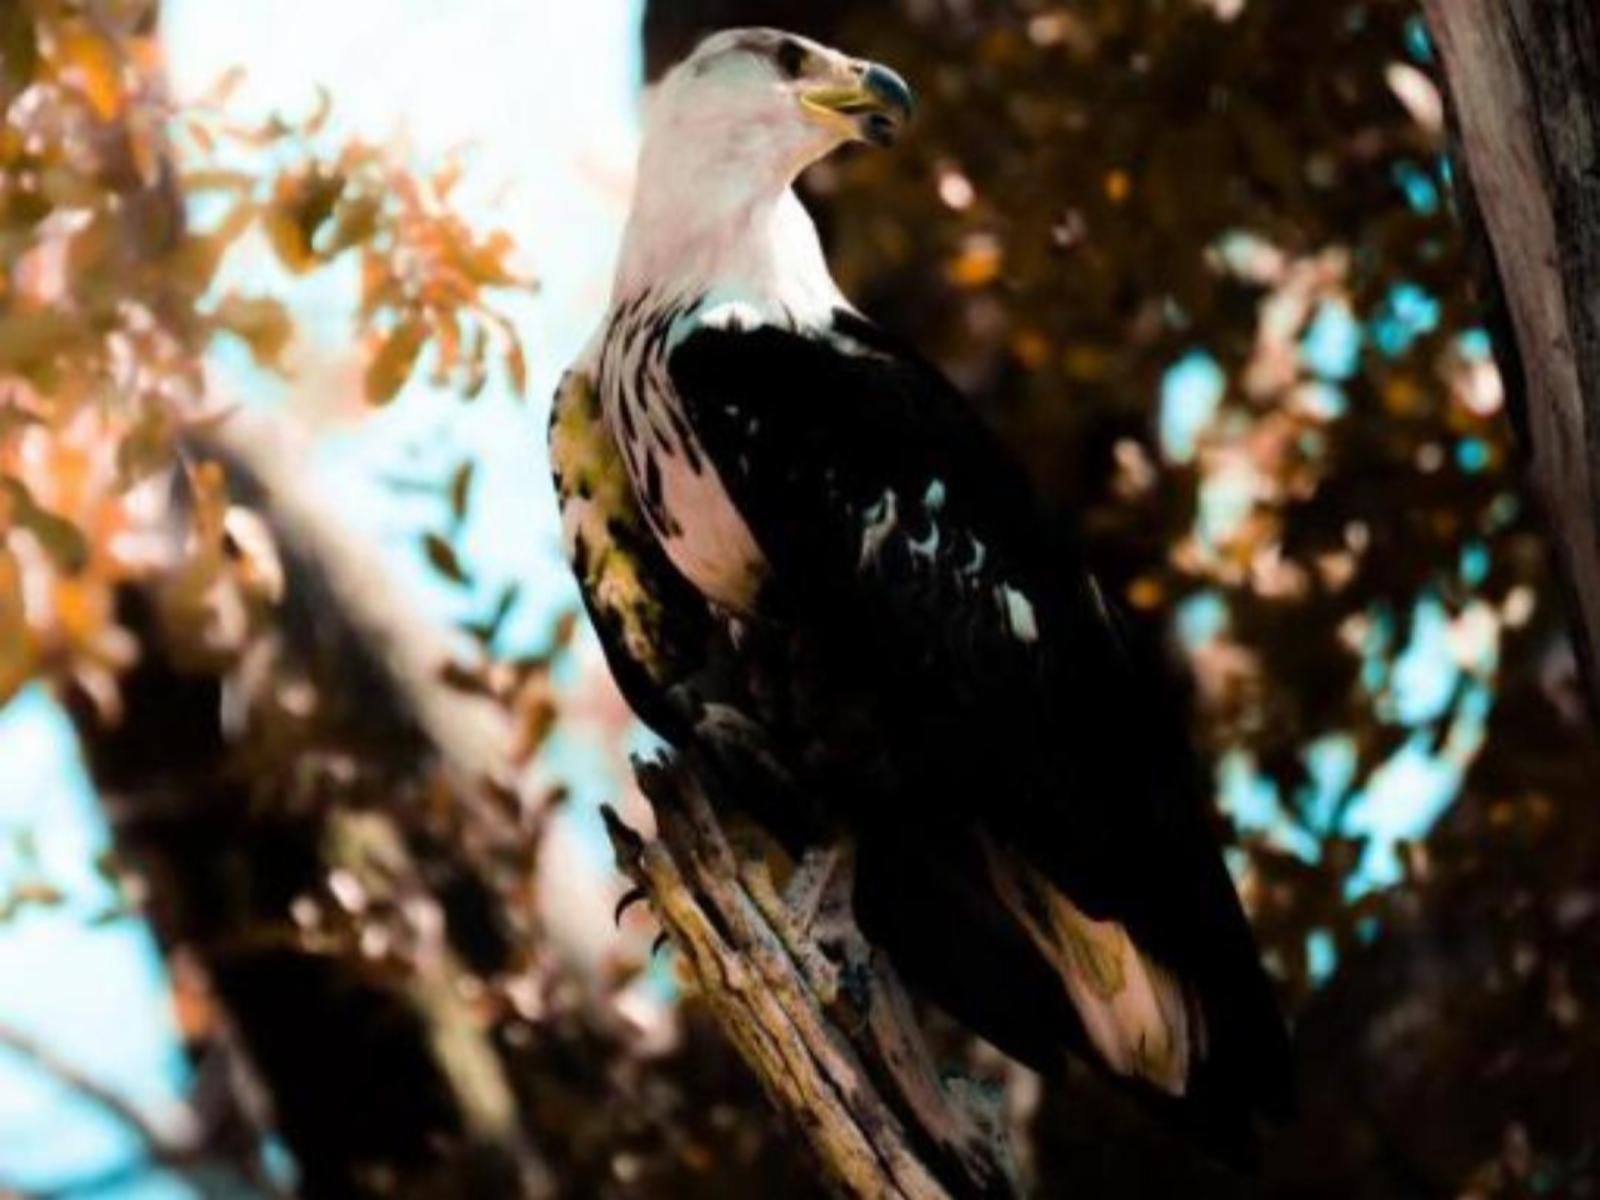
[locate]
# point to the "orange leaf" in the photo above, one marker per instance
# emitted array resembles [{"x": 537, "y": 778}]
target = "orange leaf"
[
  {"x": 91, "y": 64},
  {"x": 79, "y": 612},
  {"x": 447, "y": 335},
  {"x": 61, "y": 539},
  {"x": 978, "y": 263},
  {"x": 220, "y": 92},
  {"x": 261, "y": 322},
  {"x": 301, "y": 204},
  {"x": 16, "y": 642},
  {"x": 318, "y": 119},
  {"x": 1145, "y": 593},
  {"x": 356, "y": 222},
  {"x": 376, "y": 279},
  {"x": 394, "y": 361},
  {"x": 517, "y": 367}
]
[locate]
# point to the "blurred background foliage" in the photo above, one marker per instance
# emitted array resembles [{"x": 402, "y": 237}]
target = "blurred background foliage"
[{"x": 1199, "y": 263}]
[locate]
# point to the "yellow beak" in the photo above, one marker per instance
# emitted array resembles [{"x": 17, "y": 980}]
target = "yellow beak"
[{"x": 873, "y": 107}]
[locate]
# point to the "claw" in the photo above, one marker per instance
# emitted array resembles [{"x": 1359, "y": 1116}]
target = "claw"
[
  {"x": 629, "y": 898},
  {"x": 625, "y": 843},
  {"x": 662, "y": 939}
]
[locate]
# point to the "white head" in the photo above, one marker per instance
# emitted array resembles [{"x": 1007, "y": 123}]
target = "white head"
[{"x": 728, "y": 131}]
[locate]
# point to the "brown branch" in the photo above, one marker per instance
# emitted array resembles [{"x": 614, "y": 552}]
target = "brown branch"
[
  {"x": 821, "y": 1021},
  {"x": 373, "y": 1071}
]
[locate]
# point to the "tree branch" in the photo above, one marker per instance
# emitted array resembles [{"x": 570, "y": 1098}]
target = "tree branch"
[
  {"x": 318, "y": 867},
  {"x": 195, "y": 1143},
  {"x": 175, "y": 1148},
  {"x": 821, "y": 1020}
]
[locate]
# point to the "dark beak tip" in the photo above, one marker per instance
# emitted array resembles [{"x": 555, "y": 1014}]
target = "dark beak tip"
[
  {"x": 890, "y": 87},
  {"x": 881, "y": 129}
]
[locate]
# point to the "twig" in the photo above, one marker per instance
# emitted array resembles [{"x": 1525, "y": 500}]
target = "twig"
[{"x": 163, "y": 1149}]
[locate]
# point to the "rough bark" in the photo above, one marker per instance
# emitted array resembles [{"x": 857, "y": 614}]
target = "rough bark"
[
  {"x": 1524, "y": 82},
  {"x": 813, "y": 1010}
]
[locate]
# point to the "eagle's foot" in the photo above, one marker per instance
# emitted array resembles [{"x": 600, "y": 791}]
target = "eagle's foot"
[
  {"x": 819, "y": 898},
  {"x": 793, "y": 955},
  {"x": 792, "y": 929},
  {"x": 731, "y": 731},
  {"x": 819, "y": 894}
]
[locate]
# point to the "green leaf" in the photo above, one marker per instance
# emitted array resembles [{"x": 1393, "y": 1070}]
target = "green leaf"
[
  {"x": 461, "y": 490},
  {"x": 443, "y": 558}
]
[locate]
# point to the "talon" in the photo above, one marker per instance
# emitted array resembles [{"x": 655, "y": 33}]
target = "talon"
[
  {"x": 626, "y": 845},
  {"x": 629, "y": 898},
  {"x": 662, "y": 939}
]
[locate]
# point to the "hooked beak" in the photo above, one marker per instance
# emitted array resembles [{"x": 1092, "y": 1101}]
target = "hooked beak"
[{"x": 874, "y": 107}]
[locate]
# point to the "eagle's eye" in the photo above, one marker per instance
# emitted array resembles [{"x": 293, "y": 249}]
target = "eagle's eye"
[{"x": 791, "y": 58}]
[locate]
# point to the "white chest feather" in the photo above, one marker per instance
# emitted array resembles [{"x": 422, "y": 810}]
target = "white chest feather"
[
  {"x": 712, "y": 545},
  {"x": 701, "y": 251},
  {"x": 682, "y": 495}
]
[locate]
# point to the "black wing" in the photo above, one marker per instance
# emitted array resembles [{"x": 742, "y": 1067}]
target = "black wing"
[
  {"x": 670, "y": 656},
  {"x": 890, "y": 515}
]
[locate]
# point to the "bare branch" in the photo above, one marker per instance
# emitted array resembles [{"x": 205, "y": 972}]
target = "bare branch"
[
  {"x": 180, "y": 1145},
  {"x": 820, "y": 1020}
]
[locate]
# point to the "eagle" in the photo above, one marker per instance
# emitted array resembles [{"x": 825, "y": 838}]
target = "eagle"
[{"x": 806, "y": 554}]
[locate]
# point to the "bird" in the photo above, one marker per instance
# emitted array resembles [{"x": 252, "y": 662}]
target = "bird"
[{"x": 804, "y": 551}]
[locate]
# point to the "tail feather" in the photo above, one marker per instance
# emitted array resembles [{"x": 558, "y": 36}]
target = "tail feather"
[
  {"x": 1042, "y": 979},
  {"x": 1137, "y": 1013}
]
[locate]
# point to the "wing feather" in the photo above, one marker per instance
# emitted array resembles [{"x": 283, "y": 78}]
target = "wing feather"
[{"x": 889, "y": 514}]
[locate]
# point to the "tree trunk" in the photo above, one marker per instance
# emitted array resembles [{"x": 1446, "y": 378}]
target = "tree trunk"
[
  {"x": 1524, "y": 80},
  {"x": 379, "y": 1074}
]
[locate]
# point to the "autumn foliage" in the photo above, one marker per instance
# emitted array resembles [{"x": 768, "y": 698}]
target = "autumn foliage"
[{"x": 1198, "y": 262}]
